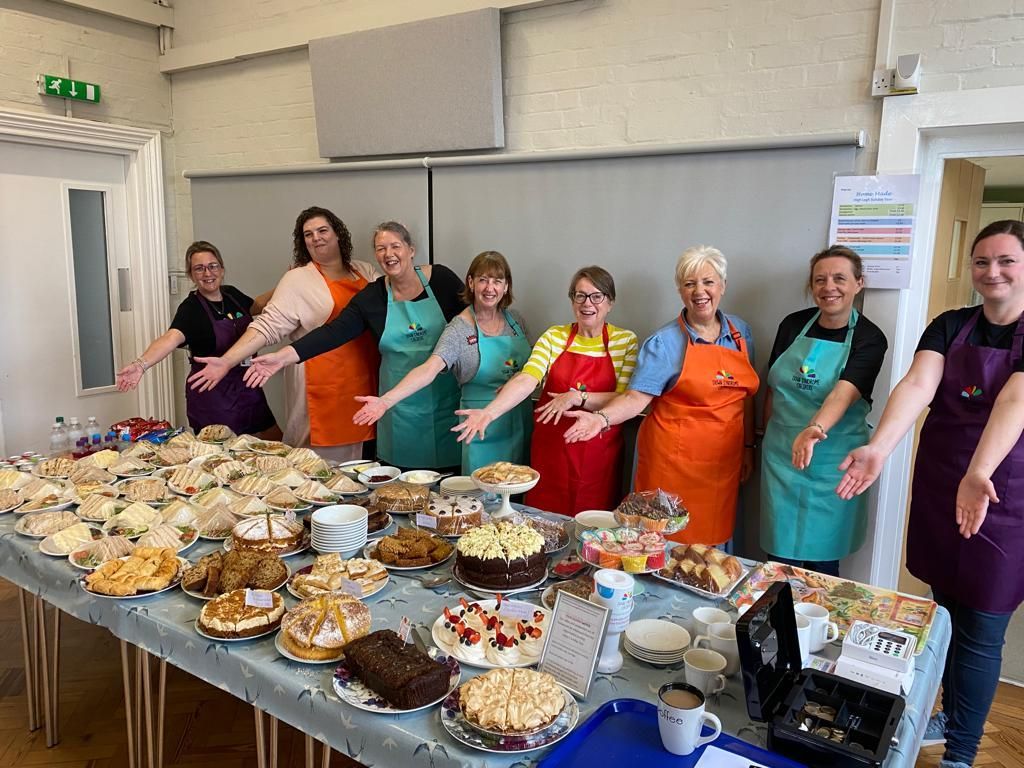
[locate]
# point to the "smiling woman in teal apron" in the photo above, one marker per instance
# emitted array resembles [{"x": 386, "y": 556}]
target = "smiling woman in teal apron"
[
  {"x": 823, "y": 367},
  {"x": 965, "y": 535},
  {"x": 406, "y": 310},
  {"x": 483, "y": 347}
]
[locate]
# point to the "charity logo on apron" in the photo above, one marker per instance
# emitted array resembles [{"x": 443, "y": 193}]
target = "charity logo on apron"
[
  {"x": 416, "y": 432},
  {"x": 802, "y": 518}
]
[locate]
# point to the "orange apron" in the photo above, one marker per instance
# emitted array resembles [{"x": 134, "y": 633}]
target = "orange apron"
[
  {"x": 691, "y": 444},
  {"x": 334, "y": 378}
]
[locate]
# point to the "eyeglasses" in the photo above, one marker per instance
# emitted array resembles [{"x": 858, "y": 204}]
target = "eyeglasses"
[
  {"x": 595, "y": 298},
  {"x": 198, "y": 269}
]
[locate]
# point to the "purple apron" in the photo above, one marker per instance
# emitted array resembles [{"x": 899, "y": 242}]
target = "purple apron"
[
  {"x": 232, "y": 403},
  {"x": 985, "y": 572}
]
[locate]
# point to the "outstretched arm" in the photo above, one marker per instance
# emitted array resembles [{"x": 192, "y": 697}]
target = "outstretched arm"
[
  {"x": 512, "y": 394},
  {"x": 128, "y": 377},
  {"x": 415, "y": 380},
  {"x": 623, "y": 408},
  {"x": 843, "y": 395},
  {"x": 216, "y": 368}
]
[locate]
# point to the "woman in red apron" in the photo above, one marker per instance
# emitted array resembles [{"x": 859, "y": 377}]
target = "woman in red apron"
[
  {"x": 965, "y": 536},
  {"x": 697, "y": 375},
  {"x": 581, "y": 366},
  {"x": 209, "y": 321}
]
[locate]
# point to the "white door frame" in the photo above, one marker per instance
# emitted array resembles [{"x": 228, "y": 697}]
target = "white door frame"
[
  {"x": 918, "y": 133},
  {"x": 147, "y": 238}
]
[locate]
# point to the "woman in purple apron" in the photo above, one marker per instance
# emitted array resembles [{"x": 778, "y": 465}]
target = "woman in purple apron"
[
  {"x": 965, "y": 536},
  {"x": 208, "y": 322}
]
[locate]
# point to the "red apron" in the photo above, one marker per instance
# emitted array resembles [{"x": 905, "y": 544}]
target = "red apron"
[
  {"x": 576, "y": 476},
  {"x": 691, "y": 444},
  {"x": 334, "y": 378}
]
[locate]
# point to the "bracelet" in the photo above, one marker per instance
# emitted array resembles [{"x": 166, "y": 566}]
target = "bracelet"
[
  {"x": 141, "y": 363},
  {"x": 583, "y": 397},
  {"x": 607, "y": 421},
  {"x": 816, "y": 424}
]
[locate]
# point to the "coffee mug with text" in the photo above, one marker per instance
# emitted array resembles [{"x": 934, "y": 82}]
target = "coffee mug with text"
[{"x": 681, "y": 717}]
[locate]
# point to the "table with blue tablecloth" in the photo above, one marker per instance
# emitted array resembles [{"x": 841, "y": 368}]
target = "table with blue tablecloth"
[{"x": 302, "y": 695}]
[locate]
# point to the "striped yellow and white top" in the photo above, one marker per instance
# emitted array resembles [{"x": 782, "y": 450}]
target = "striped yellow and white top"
[{"x": 622, "y": 346}]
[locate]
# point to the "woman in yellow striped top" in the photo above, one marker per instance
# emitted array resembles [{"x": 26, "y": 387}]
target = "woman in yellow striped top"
[{"x": 582, "y": 365}]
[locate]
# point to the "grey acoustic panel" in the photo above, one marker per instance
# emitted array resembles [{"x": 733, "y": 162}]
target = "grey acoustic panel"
[
  {"x": 250, "y": 218},
  {"x": 767, "y": 210},
  {"x": 425, "y": 86}
]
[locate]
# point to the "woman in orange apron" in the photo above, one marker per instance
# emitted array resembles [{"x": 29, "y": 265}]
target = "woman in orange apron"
[
  {"x": 322, "y": 282},
  {"x": 696, "y": 372},
  {"x": 581, "y": 366}
]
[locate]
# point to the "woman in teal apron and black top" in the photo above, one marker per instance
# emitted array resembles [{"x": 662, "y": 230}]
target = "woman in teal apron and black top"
[
  {"x": 822, "y": 371},
  {"x": 483, "y": 347},
  {"x": 406, "y": 310}
]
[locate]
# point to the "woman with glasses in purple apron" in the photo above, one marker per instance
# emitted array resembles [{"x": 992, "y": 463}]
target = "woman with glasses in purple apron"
[
  {"x": 965, "y": 536},
  {"x": 208, "y": 322}
]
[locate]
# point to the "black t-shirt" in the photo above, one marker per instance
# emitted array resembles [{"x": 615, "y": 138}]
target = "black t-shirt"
[
  {"x": 943, "y": 330},
  {"x": 191, "y": 319},
  {"x": 368, "y": 310},
  {"x": 867, "y": 348}
]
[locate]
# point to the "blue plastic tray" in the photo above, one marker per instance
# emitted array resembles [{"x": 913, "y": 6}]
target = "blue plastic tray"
[{"x": 624, "y": 732}]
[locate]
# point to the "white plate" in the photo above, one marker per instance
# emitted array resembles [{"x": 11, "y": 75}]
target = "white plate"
[
  {"x": 380, "y": 531},
  {"x": 122, "y": 505},
  {"x": 36, "y": 473},
  {"x": 437, "y": 631},
  {"x": 351, "y": 689},
  {"x": 703, "y": 592},
  {"x": 19, "y": 527},
  {"x": 201, "y": 596},
  {"x": 209, "y": 482},
  {"x": 370, "y": 553},
  {"x": 309, "y": 568},
  {"x": 136, "y": 474},
  {"x": 46, "y": 548},
  {"x": 18, "y": 503},
  {"x": 183, "y": 544},
  {"x": 502, "y": 592},
  {"x": 286, "y": 510},
  {"x": 270, "y": 448},
  {"x": 53, "y": 508},
  {"x": 288, "y": 655},
  {"x": 510, "y": 488},
  {"x": 235, "y": 639},
  {"x": 109, "y": 491},
  {"x": 350, "y": 467},
  {"x": 657, "y": 636},
  {"x": 123, "y": 488},
  {"x": 321, "y": 502},
  {"x": 302, "y": 546},
  {"x": 182, "y": 565}
]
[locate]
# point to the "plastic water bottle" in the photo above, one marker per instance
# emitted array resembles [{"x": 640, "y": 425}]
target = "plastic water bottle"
[
  {"x": 75, "y": 431},
  {"x": 126, "y": 440},
  {"x": 58, "y": 439},
  {"x": 92, "y": 430}
]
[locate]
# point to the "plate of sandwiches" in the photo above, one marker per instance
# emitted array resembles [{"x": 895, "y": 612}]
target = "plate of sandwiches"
[
  {"x": 253, "y": 485},
  {"x": 85, "y": 490},
  {"x": 317, "y": 630},
  {"x": 227, "y": 471},
  {"x": 219, "y": 573},
  {"x": 312, "y": 467},
  {"x": 131, "y": 466},
  {"x": 216, "y": 523},
  {"x": 316, "y": 493},
  {"x": 283, "y": 499},
  {"x": 384, "y": 674},
  {"x": 171, "y": 456},
  {"x": 332, "y": 573},
  {"x": 92, "y": 555},
  {"x": 214, "y": 497},
  {"x": 186, "y": 481},
  {"x": 177, "y": 537},
  {"x": 215, "y": 433},
  {"x": 67, "y": 540},
  {"x": 146, "y": 571},
  {"x": 149, "y": 490},
  {"x": 39, "y": 525},
  {"x": 90, "y": 474},
  {"x": 270, "y": 448},
  {"x": 14, "y": 480},
  {"x": 344, "y": 485},
  {"x": 242, "y": 614},
  {"x": 10, "y": 500},
  {"x": 267, "y": 464},
  {"x": 133, "y": 521},
  {"x": 54, "y": 468}
]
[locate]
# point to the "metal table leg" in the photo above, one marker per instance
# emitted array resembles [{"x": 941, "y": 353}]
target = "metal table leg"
[{"x": 29, "y": 646}]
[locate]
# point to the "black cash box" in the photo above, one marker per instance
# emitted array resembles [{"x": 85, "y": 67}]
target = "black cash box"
[{"x": 815, "y": 718}]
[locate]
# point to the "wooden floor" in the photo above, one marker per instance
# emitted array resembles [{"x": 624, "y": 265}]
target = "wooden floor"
[{"x": 208, "y": 728}]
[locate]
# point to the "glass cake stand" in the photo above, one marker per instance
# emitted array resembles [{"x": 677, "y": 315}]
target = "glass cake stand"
[{"x": 505, "y": 490}]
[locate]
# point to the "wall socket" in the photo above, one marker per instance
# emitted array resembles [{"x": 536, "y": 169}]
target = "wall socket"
[{"x": 881, "y": 82}]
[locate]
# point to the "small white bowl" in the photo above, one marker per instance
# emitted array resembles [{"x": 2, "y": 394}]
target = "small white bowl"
[
  {"x": 354, "y": 468},
  {"x": 594, "y": 518},
  {"x": 339, "y": 515},
  {"x": 391, "y": 472},
  {"x": 419, "y": 476}
]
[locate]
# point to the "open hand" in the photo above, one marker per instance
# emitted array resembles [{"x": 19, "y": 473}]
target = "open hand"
[
  {"x": 559, "y": 404},
  {"x": 475, "y": 424},
  {"x": 587, "y": 426},
  {"x": 972, "y": 500},
  {"x": 803, "y": 446},
  {"x": 262, "y": 368},
  {"x": 209, "y": 376},
  {"x": 372, "y": 410},
  {"x": 862, "y": 466},
  {"x": 128, "y": 378}
]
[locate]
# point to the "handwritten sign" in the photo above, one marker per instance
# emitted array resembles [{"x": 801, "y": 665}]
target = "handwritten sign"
[
  {"x": 574, "y": 642},
  {"x": 259, "y": 598},
  {"x": 425, "y": 521}
]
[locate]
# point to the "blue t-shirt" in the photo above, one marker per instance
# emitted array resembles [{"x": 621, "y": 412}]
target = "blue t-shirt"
[{"x": 661, "y": 356}]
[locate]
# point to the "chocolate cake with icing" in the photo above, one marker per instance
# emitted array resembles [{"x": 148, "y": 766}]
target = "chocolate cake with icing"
[{"x": 502, "y": 556}]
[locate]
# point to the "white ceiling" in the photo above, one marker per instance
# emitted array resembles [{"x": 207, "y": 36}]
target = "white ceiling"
[{"x": 1002, "y": 171}]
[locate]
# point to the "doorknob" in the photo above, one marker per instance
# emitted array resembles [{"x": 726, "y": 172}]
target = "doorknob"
[{"x": 124, "y": 288}]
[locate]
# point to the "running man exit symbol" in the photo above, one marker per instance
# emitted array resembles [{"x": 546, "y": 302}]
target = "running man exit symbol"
[{"x": 64, "y": 88}]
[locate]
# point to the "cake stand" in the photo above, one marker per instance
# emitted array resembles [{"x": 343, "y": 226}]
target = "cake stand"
[{"x": 505, "y": 490}]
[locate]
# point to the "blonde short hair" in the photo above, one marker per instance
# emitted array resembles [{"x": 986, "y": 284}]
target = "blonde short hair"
[{"x": 696, "y": 257}]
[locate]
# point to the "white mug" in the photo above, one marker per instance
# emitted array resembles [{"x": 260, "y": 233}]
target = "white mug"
[
  {"x": 803, "y": 633},
  {"x": 681, "y": 718},
  {"x": 823, "y": 631},
  {"x": 705, "y": 670},
  {"x": 705, "y": 616},
  {"x": 721, "y": 637}
]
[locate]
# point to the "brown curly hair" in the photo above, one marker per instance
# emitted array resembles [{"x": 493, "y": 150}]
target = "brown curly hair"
[{"x": 300, "y": 253}]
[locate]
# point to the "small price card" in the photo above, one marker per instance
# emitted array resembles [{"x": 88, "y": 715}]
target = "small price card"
[
  {"x": 517, "y": 609},
  {"x": 425, "y": 521},
  {"x": 259, "y": 598},
  {"x": 353, "y": 588},
  {"x": 404, "y": 628},
  {"x": 290, "y": 515}
]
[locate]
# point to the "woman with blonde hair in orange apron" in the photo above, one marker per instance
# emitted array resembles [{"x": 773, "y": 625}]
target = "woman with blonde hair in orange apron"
[
  {"x": 319, "y": 395},
  {"x": 697, "y": 374}
]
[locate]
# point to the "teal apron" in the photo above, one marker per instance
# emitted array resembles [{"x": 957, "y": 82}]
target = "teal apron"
[
  {"x": 508, "y": 436},
  {"x": 416, "y": 433},
  {"x": 802, "y": 518}
]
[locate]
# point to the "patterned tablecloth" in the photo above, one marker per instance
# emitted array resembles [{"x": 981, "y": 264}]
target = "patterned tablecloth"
[{"x": 302, "y": 695}]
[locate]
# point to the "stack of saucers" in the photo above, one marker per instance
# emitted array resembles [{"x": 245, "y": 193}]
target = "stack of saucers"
[
  {"x": 656, "y": 641},
  {"x": 461, "y": 485},
  {"x": 339, "y": 528}
]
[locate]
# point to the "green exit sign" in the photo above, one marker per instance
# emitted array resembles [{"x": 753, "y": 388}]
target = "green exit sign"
[{"x": 65, "y": 88}]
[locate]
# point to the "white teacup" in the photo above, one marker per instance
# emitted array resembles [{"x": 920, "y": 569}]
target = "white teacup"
[
  {"x": 803, "y": 633},
  {"x": 721, "y": 637},
  {"x": 823, "y": 631},
  {"x": 681, "y": 716},
  {"x": 705, "y": 670},
  {"x": 705, "y": 616}
]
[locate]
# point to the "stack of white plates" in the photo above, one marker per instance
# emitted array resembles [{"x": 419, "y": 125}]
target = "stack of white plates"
[
  {"x": 656, "y": 641},
  {"x": 461, "y": 485},
  {"x": 339, "y": 528}
]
